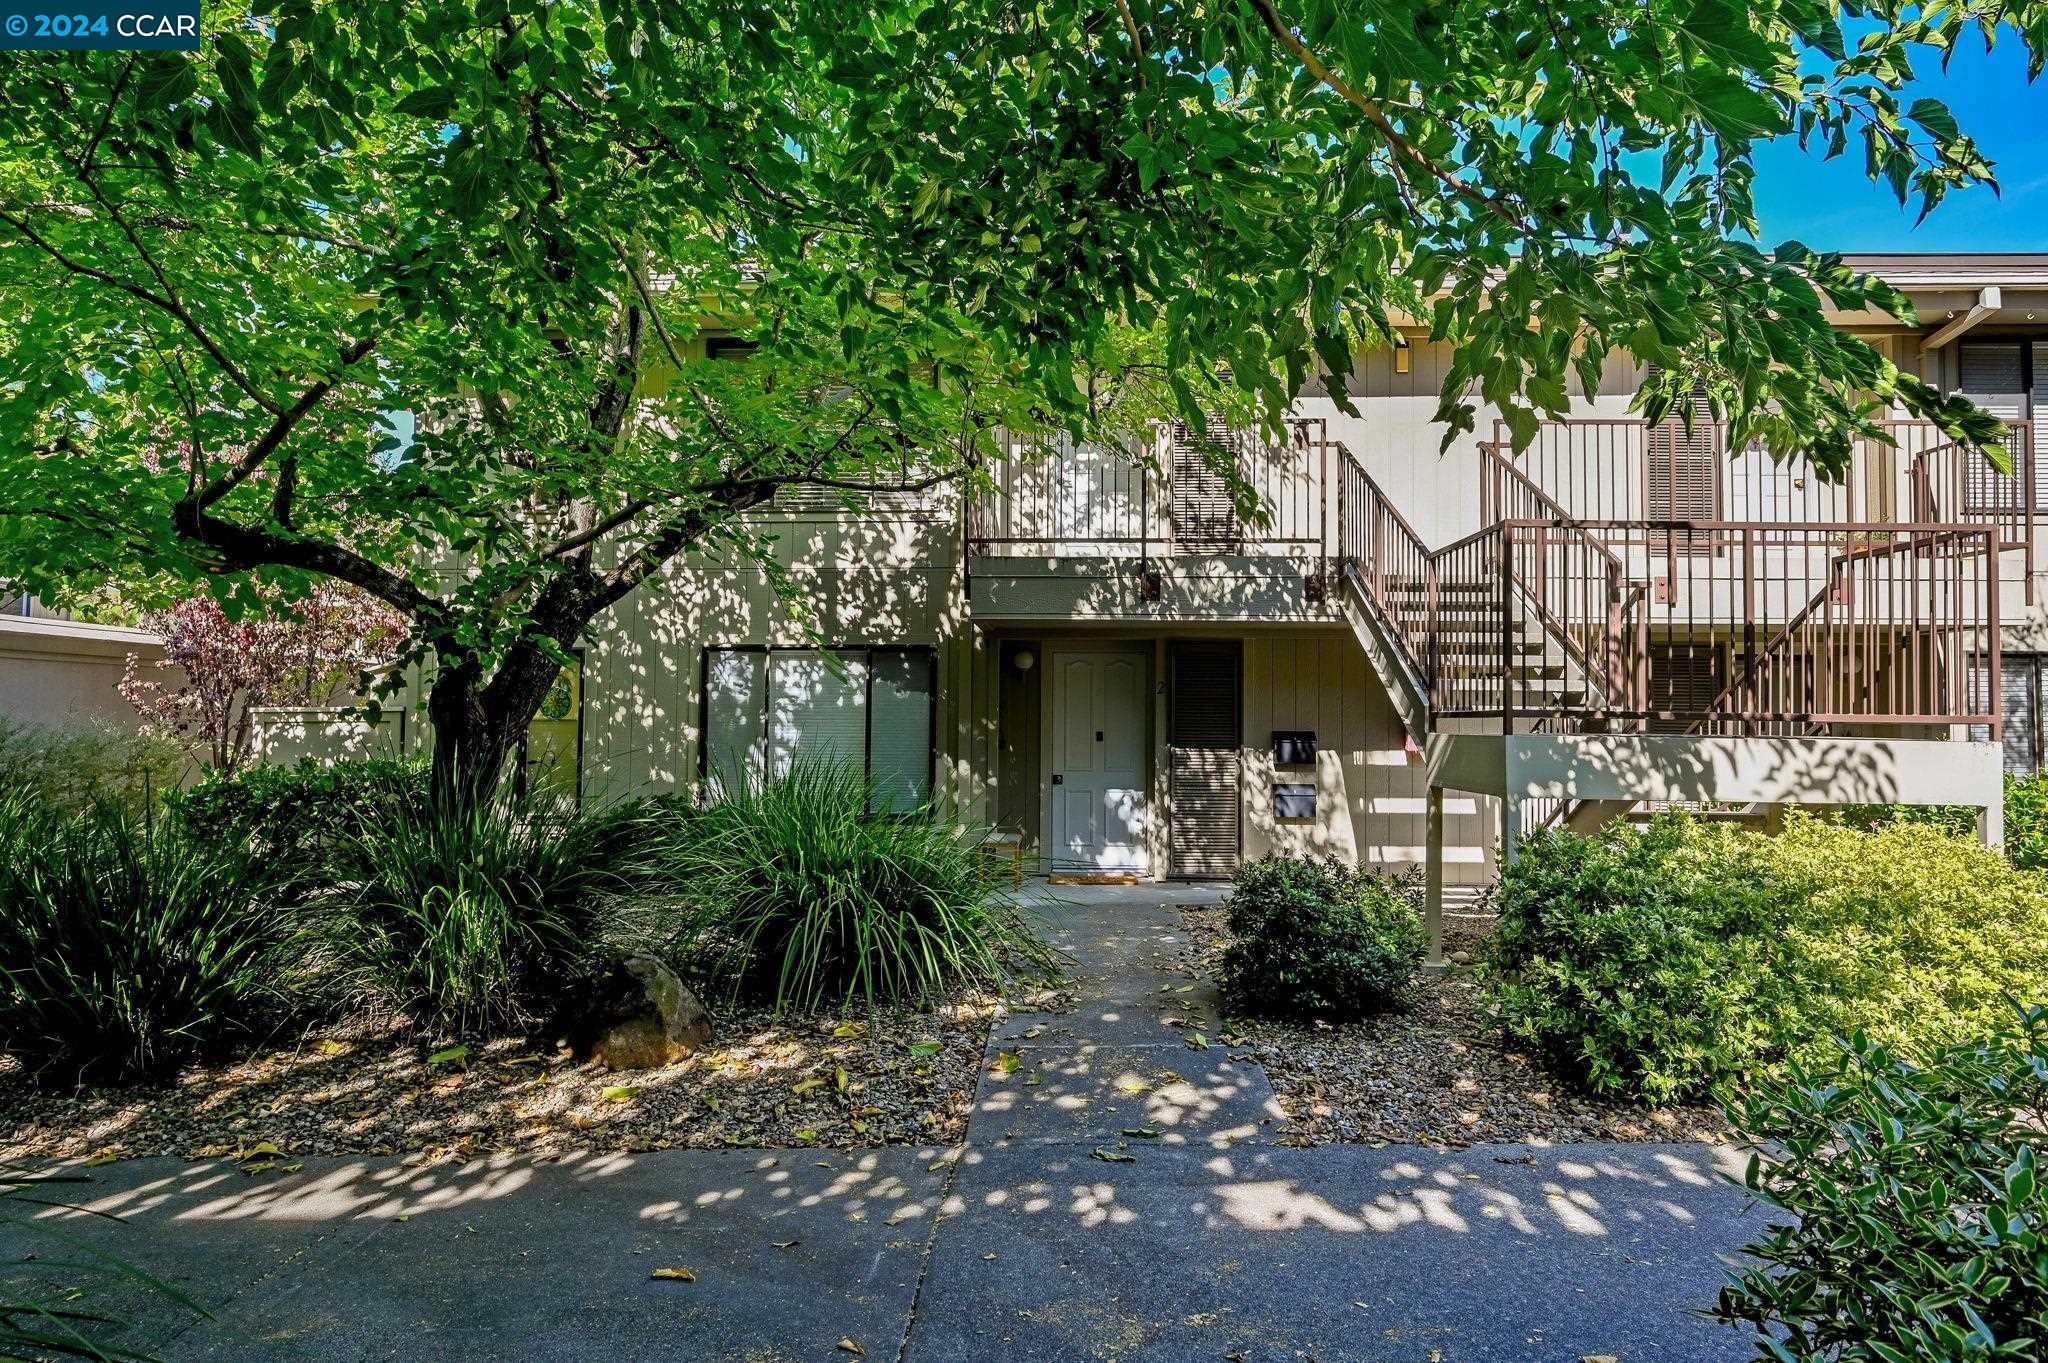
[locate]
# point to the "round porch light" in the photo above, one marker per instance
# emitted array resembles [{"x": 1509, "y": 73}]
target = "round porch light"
[{"x": 1025, "y": 660}]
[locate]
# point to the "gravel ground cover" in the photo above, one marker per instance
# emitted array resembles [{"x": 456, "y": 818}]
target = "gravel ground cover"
[
  {"x": 766, "y": 1081},
  {"x": 1438, "y": 1075}
]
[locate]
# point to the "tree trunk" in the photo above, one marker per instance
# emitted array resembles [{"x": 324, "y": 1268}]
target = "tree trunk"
[{"x": 477, "y": 725}]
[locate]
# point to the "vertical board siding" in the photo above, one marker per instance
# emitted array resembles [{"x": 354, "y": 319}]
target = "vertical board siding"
[{"x": 1369, "y": 788}]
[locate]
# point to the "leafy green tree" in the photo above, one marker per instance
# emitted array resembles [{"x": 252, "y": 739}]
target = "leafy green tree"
[{"x": 936, "y": 220}]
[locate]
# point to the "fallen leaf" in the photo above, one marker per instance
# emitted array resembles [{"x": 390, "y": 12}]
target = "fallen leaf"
[
  {"x": 803, "y": 1086},
  {"x": 1143, "y": 1133},
  {"x": 1197, "y": 1041},
  {"x": 678, "y": 1275},
  {"x": 331, "y": 1047},
  {"x": 839, "y": 1076},
  {"x": 619, "y": 1093},
  {"x": 106, "y": 1157},
  {"x": 449, "y": 1056},
  {"x": 924, "y": 1048},
  {"x": 785, "y": 1244},
  {"x": 1007, "y": 1063},
  {"x": 850, "y": 1029},
  {"x": 1109, "y": 1156},
  {"x": 851, "y": 1346}
]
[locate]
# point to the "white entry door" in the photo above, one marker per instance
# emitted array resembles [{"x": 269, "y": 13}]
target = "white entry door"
[{"x": 1097, "y": 740}]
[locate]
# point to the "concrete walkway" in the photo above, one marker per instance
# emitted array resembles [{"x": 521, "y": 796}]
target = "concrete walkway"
[{"x": 1208, "y": 1241}]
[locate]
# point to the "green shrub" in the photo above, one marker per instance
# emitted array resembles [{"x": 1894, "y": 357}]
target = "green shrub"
[
  {"x": 794, "y": 893},
  {"x": 294, "y": 814},
  {"x": 1635, "y": 961},
  {"x": 1660, "y": 962},
  {"x": 1916, "y": 1201},
  {"x": 124, "y": 950},
  {"x": 473, "y": 916},
  {"x": 2026, "y": 821},
  {"x": 1313, "y": 938},
  {"x": 76, "y": 768}
]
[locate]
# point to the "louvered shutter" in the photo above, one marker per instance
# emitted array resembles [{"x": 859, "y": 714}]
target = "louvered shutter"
[
  {"x": 2019, "y": 705},
  {"x": 1204, "y": 513},
  {"x": 1683, "y": 479},
  {"x": 1684, "y": 680},
  {"x": 1204, "y": 758},
  {"x": 1993, "y": 375}
]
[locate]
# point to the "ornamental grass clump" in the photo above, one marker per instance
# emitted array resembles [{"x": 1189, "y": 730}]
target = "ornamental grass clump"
[
  {"x": 484, "y": 914},
  {"x": 125, "y": 948},
  {"x": 794, "y": 893}
]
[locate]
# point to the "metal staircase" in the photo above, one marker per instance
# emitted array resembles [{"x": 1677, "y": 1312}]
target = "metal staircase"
[{"x": 1541, "y": 622}]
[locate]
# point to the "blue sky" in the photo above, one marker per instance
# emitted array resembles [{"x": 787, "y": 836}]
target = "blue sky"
[{"x": 1832, "y": 206}]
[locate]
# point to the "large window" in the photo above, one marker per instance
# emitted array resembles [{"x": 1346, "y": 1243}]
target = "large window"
[{"x": 871, "y": 707}]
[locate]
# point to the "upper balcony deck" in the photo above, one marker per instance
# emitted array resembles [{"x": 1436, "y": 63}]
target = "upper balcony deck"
[{"x": 1621, "y": 575}]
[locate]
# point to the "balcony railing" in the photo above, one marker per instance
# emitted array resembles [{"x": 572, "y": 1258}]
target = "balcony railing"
[
  {"x": 1546, "y": 621},
  {"x": 1167, "y": 500}
]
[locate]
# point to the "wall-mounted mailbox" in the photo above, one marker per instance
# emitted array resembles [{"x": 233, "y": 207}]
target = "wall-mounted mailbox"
[
  {"x": 1294, "y": 747},
  {"x": 1294, "y": 801}
]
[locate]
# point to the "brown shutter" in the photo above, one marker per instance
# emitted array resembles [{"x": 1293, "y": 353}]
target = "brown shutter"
[
  {"x": 1204, "y": 758},
  {"x": 1684, "y": 680},
  {"x": 1683, "y": 479},
  {"x": 1204, "y": 513}
]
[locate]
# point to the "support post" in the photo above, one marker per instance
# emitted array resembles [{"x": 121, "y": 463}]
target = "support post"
[
  {"x": 1433, "y": 903},
  {"x": 1510, "y": 829},
  {"x": 1991, "y": 824}
]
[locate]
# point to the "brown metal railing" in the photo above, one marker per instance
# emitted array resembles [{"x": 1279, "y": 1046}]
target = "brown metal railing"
[
  {"x": 1575, "y": 588},
  {"x": 1625, "y": 469},
  {"x": 1743, "y": 626},
  {"x": 1956, "y": 483},
  {"x": 1902, "y": 630}
]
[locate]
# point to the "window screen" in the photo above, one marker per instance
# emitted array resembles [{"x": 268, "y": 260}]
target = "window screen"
[
  {"x": 900, "y": 712},
  {"x": 872, "y": 708},
  {"x": 816, "y": 708},
  {"x": 735, "y": 736}
]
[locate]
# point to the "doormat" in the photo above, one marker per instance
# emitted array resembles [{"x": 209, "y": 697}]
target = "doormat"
[{"x": 1114, "y": 878}]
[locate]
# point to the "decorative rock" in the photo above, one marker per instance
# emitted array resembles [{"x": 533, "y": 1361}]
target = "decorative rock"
[
  {"x": 640, "y": 1017},
  {"x": 1461, "y": 958}
]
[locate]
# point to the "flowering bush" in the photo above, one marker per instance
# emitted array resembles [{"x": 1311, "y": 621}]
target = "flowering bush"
[{"x": 216, "y": 668}]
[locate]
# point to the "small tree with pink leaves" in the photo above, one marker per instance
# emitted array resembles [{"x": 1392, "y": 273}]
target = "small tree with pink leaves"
[{"x": 216, "y": 669}]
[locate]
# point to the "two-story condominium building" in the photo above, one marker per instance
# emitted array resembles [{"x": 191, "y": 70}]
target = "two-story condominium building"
[{"x": 1412, "y": 657}]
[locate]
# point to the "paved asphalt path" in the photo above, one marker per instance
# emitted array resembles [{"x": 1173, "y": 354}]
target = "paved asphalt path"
[{"x": 1214, "y": 1242}]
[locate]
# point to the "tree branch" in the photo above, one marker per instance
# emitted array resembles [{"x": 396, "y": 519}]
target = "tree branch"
[
  {"x": 241, "y": 548},
  {"x": 287, "y": 419},
  {"x": 1376, "y": 115}
]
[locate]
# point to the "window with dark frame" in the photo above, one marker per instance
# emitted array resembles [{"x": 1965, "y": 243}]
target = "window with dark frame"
[{"x": 875, "y": 707}]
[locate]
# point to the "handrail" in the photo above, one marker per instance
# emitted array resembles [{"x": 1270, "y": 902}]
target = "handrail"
[
  {"x": 1537, "y": 617},
  {"x": 1616, "y": 673},
  {"x": 1923, "y": 541}
]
